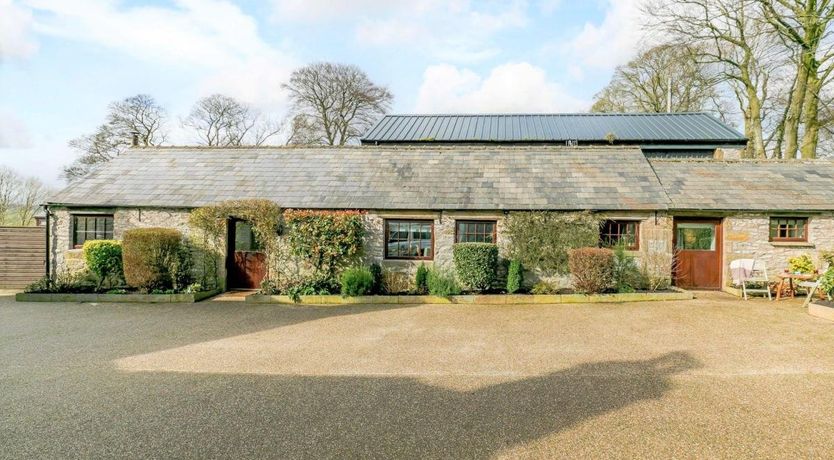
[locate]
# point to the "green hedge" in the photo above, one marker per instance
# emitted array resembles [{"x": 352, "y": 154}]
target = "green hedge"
[
  {"x": 357, "y": 281},
  {"x": 476, "y": 265},
  {"x": 515, "y": 277},
  {"x": 104, "y": 259},
  {"x": 155, "y": 258},
  {"x": 441, "y": 283}
]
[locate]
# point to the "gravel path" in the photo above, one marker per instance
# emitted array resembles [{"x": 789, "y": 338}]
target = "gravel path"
[{"x": 714, "y": 377}]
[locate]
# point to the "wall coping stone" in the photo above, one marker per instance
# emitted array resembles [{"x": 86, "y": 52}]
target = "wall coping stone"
[
  {"x": 115, "y": 298},
  {"x": 476, "y": 299}
]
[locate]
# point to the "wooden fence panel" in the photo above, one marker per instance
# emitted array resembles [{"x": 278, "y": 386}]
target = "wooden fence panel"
[{"x": 22, "y": 256}]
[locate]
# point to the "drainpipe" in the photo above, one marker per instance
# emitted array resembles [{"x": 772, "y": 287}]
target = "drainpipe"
[{"x": 46, "y": 210}]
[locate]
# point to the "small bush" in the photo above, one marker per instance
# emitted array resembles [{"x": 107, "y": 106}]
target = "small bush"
[
  {"x": 421, "y": 279},
  {"x": 316, "y": 285},
  {"x": 515, "y": 277},
  {"x": 828, "y": 257},
  {"x": 376, "y": 272},
  {"x": 104, "y": 259},
  {"x": 827, "y": 282},
  {"x": 476, "y": 264},
  {"x": 155, "y": 259},
  {"x": 396, "y": 282},
  {"x": 592, "y": 269},
  {"x": 626, "y": 275},
  {"x": 544, "y": 288},
  {"x": 801, "y": 264},
  {"x": 62, "y": 282},
  {"x": 357, "y": 281},
  {"x": 441, "y": 283},
  {"x": 268, "y": 287}
]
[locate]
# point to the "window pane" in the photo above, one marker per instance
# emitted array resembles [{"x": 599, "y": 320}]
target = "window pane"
[
  {"x": 475, "y": 232},
  {"x": 407, "y": 239},
  {"x": 788, "y": 228},
  {"x": 698, "y": 237}
]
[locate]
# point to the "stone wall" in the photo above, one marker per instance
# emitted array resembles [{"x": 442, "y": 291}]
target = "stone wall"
[
  {"x": 655, "y": 236},
  {"x": 746, "y": 236},
  {"x": 63, "y": 257}
]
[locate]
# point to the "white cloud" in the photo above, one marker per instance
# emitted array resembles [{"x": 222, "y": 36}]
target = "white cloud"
[
  {"x": 328, "y": 10},
  {"x": 612, "y": 42},
  {"x": 212, "y": 36},
  {"x": 510, "y": 87},
  {"x": 449, "y": 30},
  {"x": 15, "y": 37}
]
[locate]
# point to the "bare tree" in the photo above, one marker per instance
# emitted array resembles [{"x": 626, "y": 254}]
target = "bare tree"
[
  {"x": 804, "y": 27},
  {"x": 221, "y": 121},
  {"x": 95, "y": 149},
  {"x": 31, "y": 195},
  {"x": 645, "y": 82},
  {"x": 9, "y": 189},
  {"x": 139, "y": 114},
  {"x": 334, "y": 104},
  {"x": 732, "y": 36}
]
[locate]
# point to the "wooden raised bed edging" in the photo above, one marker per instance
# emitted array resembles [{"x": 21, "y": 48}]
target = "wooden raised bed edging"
[
  {"x": 117, "y": 298},
  {"x": 821, "y": 310},
  {"x": 485, "y": 299}
]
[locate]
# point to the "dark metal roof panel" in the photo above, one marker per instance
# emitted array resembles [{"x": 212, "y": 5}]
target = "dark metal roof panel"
[{"x": 584, "y": 127}]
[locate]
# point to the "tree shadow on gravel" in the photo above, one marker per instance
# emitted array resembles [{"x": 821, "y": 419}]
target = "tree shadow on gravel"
[{"x": 211, "y": 415}]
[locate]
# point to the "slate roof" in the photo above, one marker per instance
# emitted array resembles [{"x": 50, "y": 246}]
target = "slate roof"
[
  {"x": 471, "y": 178},
  {"x": 630, "y": 128},
  {"x": 748, "y": 185}
]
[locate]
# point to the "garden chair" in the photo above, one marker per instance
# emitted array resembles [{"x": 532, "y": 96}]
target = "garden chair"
[
  {"x": 812, "y": 286},
  {"x": 750, "y": 271}
]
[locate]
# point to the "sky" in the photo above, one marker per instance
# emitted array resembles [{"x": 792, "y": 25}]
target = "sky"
[{"x": 63, "y": 61}]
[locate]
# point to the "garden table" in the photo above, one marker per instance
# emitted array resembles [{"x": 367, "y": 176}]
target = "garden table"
[{"x": 786, "y": 286}]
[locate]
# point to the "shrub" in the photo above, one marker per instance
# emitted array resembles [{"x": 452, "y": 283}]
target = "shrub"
[
  {"x": 441, "y": 283},
  {"x": 540, "y": 240},
  {"x": 421, "y": 279},
  {"x": 515, "y": 277},
  {"x": 626, "y": 276},
  {"x": 476, "y": 264},
  {"x": 155, "y": 259},
  {"x": 315, "y": 285},
  {"x": 801, "y": 264},
  {"x": 544, "y": 287},
  {"x": 592, "y": 269},
  {"x": 376, "y": 272},
  {"x": 62, "y": 282},
  {"x": 396, "y": 282},
  {"x": 827, "y": 282},
  {"x": 828, "y": 257},
  {"x": 104, "y": 259},
  {"x": 357, "y": 281},
  {"x": 268, "y": 287}
]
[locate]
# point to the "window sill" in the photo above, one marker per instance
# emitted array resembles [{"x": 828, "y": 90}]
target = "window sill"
[{"x": 792, "y": 244}]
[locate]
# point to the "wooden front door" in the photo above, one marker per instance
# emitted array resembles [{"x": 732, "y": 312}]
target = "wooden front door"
[
  {"x": 698, "y": 244},
  {"x": 246, "y": 263}
]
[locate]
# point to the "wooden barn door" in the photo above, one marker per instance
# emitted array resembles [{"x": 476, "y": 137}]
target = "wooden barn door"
[
  {"x": 246, "y": 263},
  {"x": 698, "y": 244}
]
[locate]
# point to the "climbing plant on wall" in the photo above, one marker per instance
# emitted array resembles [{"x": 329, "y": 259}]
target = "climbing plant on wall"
[
  {"x": 209, "y": 223},
  {"x": 327, "y": 240}
]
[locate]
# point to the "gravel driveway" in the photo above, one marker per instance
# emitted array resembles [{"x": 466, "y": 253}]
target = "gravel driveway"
[{"x": 714, "y": 377}]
